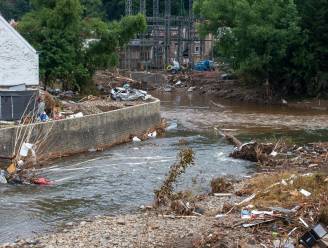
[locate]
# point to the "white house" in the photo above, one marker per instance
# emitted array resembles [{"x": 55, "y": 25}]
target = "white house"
[{"x": 19, "y": 72}]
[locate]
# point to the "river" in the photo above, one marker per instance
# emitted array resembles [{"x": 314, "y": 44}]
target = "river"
[{"x": 121, "y": 179}]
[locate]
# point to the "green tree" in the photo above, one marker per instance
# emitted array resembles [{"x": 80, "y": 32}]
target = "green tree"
[
  {"x": 14, "y": 9},
  {"x": 255, "y": 35},
  {"x": 264, "y": 39},
  {"x": 314, "y": 22},
  {"x": 73, "y": 45}
]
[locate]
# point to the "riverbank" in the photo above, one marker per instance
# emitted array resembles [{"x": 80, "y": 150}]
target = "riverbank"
[
  {"x": 276, "y": 197},
  {"x": 217, "y": 85}
]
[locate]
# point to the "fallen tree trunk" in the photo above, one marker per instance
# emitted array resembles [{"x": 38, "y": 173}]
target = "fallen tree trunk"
[
  {"x": 231, "y": 139},
  {"x": 251, "y": 151}
]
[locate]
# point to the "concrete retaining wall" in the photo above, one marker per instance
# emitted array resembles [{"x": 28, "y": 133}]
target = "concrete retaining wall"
[{"x": 77, "y": 135}]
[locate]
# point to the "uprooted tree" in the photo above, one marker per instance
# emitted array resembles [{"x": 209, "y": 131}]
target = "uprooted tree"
[
  {"x": 165, "y": 194},
  {"x": 72, "y": 44}
]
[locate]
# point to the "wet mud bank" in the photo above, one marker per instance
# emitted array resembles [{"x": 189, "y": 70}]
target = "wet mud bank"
[{"x": 78, "y": 135}]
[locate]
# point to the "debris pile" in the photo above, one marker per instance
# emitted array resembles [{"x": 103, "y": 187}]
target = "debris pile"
[
  {"x": 285, "y": 205},
  {"x": 126, "y": 93},
  {"x": 106, "y": 81},
  {"x": 281, "y": 155}
]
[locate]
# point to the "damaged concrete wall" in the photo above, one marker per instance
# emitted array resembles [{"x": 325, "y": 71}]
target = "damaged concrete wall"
[{"x": 89, "y": 132}]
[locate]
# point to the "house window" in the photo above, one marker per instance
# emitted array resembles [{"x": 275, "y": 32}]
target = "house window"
[{"x": 197, "y": 49}]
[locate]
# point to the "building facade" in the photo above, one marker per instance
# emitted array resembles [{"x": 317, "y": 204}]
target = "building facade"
[{"x": 19, "y": 73}]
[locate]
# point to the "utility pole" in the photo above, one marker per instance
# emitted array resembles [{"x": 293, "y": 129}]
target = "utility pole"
[
  {"x": 143, "y": 7},
  {"x": 156, "y": 33},
  {"x": 190, "y": 34},
  {"x": 167, "y": 42},
  {"x": 128, "y": 7},
  {"x": 128, "y": 12}
]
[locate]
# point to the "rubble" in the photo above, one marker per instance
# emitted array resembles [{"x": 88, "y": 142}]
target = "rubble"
[{"x": 107, "y": 80}]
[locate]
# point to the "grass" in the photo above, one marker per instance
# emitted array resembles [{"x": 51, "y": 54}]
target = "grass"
[
  {"x": 288, "y": 195},
  {"x": 221, "y": 185}
]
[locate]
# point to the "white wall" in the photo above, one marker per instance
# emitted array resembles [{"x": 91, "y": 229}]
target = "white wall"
[{"x": 19, "y": 62}]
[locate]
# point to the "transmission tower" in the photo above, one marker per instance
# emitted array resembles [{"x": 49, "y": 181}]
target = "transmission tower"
[
  {"x": 128, "y": 7},
  {"x": 155, "y": 8},
  {"x": 167, "y": 41},
  {"x": 143, "y": 7}
]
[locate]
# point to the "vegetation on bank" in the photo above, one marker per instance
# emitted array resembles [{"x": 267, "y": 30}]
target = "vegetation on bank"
[
  {"x": 72, "y": 42},
  {"x": 280, "y": 43}
]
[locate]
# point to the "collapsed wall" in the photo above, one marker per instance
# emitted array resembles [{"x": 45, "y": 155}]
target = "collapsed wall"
[{"x": 70, "y": 136}]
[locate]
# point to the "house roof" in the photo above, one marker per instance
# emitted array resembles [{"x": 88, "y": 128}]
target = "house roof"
[{"x": 9, "y": 28}]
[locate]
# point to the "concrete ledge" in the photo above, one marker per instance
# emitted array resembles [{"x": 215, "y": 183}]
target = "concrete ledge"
[{"x": 71, "y": 136}]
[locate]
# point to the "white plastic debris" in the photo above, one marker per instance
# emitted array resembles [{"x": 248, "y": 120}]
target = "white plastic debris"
[
  {"x": 25, "y": 149},
  {"x": 178, "y": 83},
  {"x": 305, "y": 192},
  {"x": 283, "y": 182},
  {"x": 3, "y": 179},
  {"x": 77, "y": 115},
  {"x": 152, "y": 135},
  {"x": 136, "y": 139},
  {"x": 273, "y": 153},
  {"x": 218, "y": 216},
  {"x": 191, "y": 89}
]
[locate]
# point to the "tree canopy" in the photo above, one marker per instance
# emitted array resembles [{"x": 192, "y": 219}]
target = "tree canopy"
[
  {"x": 73, "y": 44},
  {"x": 274, "y": 40}
]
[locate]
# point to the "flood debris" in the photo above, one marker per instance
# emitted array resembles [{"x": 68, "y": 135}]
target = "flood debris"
[
  {"x": 165, "y": 195},
  {"x": 281, "y": 154},
  {"x": 127, "y": 93}
]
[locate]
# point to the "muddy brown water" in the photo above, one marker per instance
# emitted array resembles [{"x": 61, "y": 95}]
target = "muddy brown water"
[{"x": 121, "y": 179}]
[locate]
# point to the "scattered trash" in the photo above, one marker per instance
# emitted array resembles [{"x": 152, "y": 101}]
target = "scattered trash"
[
  {"x": 218, "y": 216},
  {"x": 245, "y": 214},
  {"x": 191, "y": 89},
  {"x": 26, "y": 147},
  {"x": 42, "y": 181},
  {"x": 273, "y": 153},
  {"x": 152, "y": 135},
  {"x": 44, "y": 117},
  {"x": 77, "y": 115},
  {"x": 178, "y": 83},
  {"x": 129, "y": 94},
  {"x": 317, "y": 235},
  {"x": 305, "y": 193},
  {"x": 3, "y": 179},
  {"x": 136, "y": 139}
]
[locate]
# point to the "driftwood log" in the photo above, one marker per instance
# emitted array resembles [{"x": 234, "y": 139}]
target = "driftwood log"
[{"x": 252, "y": 151}]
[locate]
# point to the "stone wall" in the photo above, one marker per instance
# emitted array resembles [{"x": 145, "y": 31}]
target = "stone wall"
[{"x": 78, "y": 135}]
